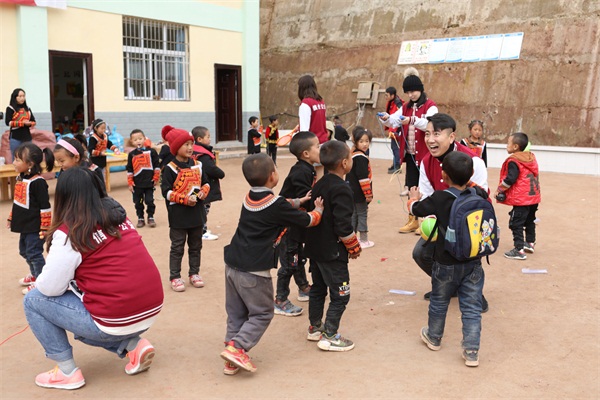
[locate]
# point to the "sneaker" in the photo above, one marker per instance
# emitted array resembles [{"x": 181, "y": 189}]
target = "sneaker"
[
  {"x": 404, "y": 192},
  {"x": 209, "y": 236},
  {"x": 141, "y": 223},
  {"x": 471, "y": 358},
  {"x": 303, "y": 295},
  {"x": 196, "y": 281},
  {"x": 484, "y": 304},
  {"x": 178, "y": 285},
  {"x": 515, "y": 254},
  {"x": 55, "y": 379},
  {"x": 230, "y": 368},
  {"x": 366, "y": 244},
  {"x": 288, "y": 309},
  {"x": 335, "y": 343},
  {"x": 28, "y": 280},
  {"x": 433, "y": 344},
  {"x": 28, "y": 288},
  {"x": 314, "y": 333},
  {"x": 237, "y": 357},
  {"x": 529, "y": 248},
  {"x": 140, "y": 358},
  {"x": 151, "y": 222}
]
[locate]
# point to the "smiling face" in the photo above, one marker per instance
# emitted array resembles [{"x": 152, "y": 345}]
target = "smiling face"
[
  {"x": 21, "y": 166},
  {"x": 185, "y": 151},
  {"x": 438, "y": 142},
  {"x": 65, "y": 160}
]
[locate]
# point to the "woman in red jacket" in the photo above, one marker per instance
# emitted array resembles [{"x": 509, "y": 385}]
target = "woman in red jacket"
[{"x": 312, "y": 109}]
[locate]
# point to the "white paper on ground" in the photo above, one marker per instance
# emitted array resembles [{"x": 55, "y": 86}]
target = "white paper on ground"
[
  {"x": 534, "y": 271},
  {"x": 404, "y": 292}
]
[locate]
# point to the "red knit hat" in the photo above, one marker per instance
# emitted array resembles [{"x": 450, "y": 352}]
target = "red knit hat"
[{"x": 175, "y": 137}]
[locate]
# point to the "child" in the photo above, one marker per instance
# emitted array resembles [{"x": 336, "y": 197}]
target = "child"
[
  {"x": 250, "y": 257},
  {"x": 99, "y": 143},
  {"x": 85, "y": 288},
  {"x": 298, "y": 183},
  {"x": 72, "y": 152},
  {"x": 183, "y": 187},
  {"x": 475, "y": 140},
  {"x": 253, "y": 136},
  {"x": 329, "y": 246},
  {"x": 143, "y": 172},
  {"x": 359, "y": 179},
  {"x": 31, "y": 214},
  {"x": 272, "y": 135},
  {"x": 450, "y": 275},
  {"x": 520, "y": 187},
  {"x": 203, "y": 152},
  {"x": 164, "y": 155}
]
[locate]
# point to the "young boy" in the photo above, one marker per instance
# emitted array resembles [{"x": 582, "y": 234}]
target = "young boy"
[
  {"x": 520, "y": 187},
  {"x": 183, "y": 187},
  {"x": 300, "y": 180},
  {"x": 250, "y": 257},
  {"x": 272, "y": 135},
  {"x": 449, "y": 274},
  {"x": 143, "y": 171},
  {"x": 203, "y": 152},
  {"x": 329, "y": 246},
  {"x": 253, "y": 136}
]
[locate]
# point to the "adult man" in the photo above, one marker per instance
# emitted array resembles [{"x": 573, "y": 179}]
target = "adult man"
[
  {"x": 394, "y": 103},
  {"x": 440, "y": 141}
]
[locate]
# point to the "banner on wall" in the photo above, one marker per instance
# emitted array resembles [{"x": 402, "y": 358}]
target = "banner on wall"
[
  {"x": 40, "y": 3},
  {"x": 505, "y": 46}
]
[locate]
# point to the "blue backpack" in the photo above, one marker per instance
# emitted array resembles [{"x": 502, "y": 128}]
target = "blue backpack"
[{"x": 473, "y": 228}]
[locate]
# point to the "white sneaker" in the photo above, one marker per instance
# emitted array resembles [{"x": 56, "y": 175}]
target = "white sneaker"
[
  {"x": 209, "y": 236},
  {"x": 367, "y": 244}
]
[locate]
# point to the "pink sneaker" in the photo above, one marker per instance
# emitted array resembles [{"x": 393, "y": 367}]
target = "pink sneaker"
[
  {"x": 178, "y": 285},
  {"x": 57, "y": 380},
  {"x": 366, "y": 244},
  {"x": 140, "y": 358},
  {"x": 237, "y": 357},
  {"x": 28, "y": 280},
  {"x": 230, "y": 368},
  {"x": 196, "y": 281}
]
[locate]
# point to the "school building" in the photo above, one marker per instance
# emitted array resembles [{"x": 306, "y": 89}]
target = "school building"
[{"x": 135, "y": 63}]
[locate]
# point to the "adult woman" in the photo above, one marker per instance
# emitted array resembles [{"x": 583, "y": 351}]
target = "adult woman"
[
  {"x": 19, "y": 118},
  {"x": 312, "y": 109},
  {"x": 99, "y": 282}
]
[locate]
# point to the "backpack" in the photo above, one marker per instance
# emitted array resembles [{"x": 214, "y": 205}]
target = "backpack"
[{"x": 473, "y": 229}]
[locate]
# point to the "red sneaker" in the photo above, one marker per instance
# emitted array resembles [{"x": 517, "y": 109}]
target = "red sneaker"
[
  {"x": 57, "y": 380},
  {"x": 196, "y": 281},
  {"x": 230, "y": 368},
  {"x": 140, "y": 358},
  {"x": 28, "y": 280},
  {"x": 237, "y": 357},
  {"x": 28, "y": 288}
]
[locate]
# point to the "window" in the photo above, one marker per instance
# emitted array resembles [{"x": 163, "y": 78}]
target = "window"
[{"x": 155, "y": 60}]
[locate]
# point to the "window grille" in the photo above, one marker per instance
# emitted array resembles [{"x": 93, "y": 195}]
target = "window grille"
[{"x": 155, "y": 60}]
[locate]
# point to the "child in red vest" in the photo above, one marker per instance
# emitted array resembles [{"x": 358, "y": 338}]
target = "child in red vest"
[{"x": 520, "y": 187}]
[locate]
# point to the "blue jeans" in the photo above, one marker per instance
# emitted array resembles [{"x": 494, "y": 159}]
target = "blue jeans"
[
  {"x": 14, "y": 143},
  {"x": 468, "y": 280},
  {"x": 51, "y": 317},
  {"x": 395, "y": 153},
  {"x": 31, "y": 248}
]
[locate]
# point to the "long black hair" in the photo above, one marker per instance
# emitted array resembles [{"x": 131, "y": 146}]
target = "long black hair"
[
  {"x": 307, "y": 87},
  {"x": 13, "y": 100}
]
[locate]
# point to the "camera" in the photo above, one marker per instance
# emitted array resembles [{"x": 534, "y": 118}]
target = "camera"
[{"x": 501, "y": 196}]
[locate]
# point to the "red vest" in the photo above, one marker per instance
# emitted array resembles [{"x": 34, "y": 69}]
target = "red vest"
[
  {"x": 391, "y": 107},
  {"x": 421, "y": 149},
  {"x": 119, "y": 279},
  {"x": 526, "y": 190},
  {"x": 317, "y": 118},
  {"x": 433, "y": 167}
]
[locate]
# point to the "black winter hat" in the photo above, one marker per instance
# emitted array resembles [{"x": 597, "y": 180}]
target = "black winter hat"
[{"x": 412, "y": 81}]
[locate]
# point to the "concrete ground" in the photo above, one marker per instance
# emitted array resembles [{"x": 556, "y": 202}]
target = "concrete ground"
[{"x": 539, "y": 338}]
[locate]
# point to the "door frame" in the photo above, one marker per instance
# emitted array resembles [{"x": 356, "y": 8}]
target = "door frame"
[
  {"x": 238, "y": 112},
  {"x": 88, "y": 80}
]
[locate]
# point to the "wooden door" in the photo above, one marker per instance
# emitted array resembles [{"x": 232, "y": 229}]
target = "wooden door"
[{"x": 228, "y": 103}]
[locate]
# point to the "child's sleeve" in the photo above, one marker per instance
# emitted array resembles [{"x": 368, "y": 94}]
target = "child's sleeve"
[
  {"x": 92, "y": 147},
  {"x": 341, "y": 209},
  {"x": 110, "y": 145},
  {"x": 511, "y": 176},
  {"x": 40, "y": 191},
  {"x": 129, "y": 169},
  {"x": 364, "y": 180},
  {"x": 155, "y": 165},
  {"x": 211, "y": 169},
  {"x": 422, "y": 208}
]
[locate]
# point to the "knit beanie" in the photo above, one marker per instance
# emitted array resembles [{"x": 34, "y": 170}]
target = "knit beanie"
[
  {"x": 175, "y": 137},
  {"x": 412, "y": 82}
]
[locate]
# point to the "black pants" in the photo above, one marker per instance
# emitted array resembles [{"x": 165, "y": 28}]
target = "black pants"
[
  {"x": 522, "y": 217},
  {"x": 194, "y": 241},
  {"x": 293, "y": 261},
  {"x": 141, "y": 196},
  {"x": 272, "y": 151},
  {"x": 335, "y": 276},
  {"x": 412, "y": 171}
]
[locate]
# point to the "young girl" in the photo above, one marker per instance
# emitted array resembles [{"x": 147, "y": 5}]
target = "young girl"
[
  {"x": 359, "y": 179},
  {"x": 86, "y": 288},
  {"x": 99, "y": 143},
  {"x": 475, "y": 140},
  {"x": 20, "y": 119},
  {"x": 72, "y": 152},
  {"x": 31, "y": 215}
]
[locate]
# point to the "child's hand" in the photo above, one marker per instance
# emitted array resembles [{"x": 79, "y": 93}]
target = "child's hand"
[
  {"x": 131, "y": 188},
  {"x": 319, "y": 203},
  {"x": 192, "y": 200},
  {"x": 354, "y": 256},
  {"x": 414, "y": 194},
  {"x": 306, "y": 197},
  {"x": 116, "y": 151}
]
